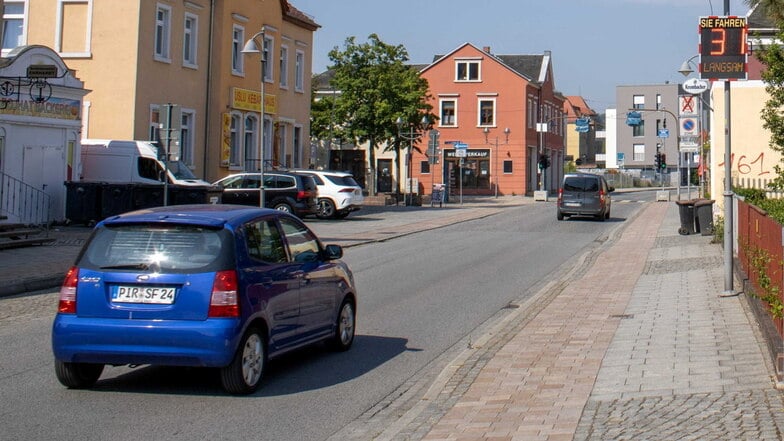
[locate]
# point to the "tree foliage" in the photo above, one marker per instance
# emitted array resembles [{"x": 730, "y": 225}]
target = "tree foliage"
[
  {"x": 772, "y": 56},
  {"x": 374, "y": 87}
]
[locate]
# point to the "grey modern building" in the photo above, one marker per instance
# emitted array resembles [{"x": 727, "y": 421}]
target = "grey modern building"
[{"x": 637, "y": 146}]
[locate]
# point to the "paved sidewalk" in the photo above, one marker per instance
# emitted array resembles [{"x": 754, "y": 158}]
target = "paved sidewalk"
[{"x": 639, "y": 346}]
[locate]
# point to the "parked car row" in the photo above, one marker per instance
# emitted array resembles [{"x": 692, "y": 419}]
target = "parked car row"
[{"x": 324, "y": 194}]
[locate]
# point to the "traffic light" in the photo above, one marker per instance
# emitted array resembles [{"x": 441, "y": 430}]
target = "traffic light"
[
  {"x": 663, "y": 161},
  {"x": 658, "y": 161},
  {"x": 544, "y": 162}
]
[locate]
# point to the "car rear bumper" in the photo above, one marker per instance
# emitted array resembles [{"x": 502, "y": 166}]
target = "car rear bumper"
[{"x": 209, "y": 343}]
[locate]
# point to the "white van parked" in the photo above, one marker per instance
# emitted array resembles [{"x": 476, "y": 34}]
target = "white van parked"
[{"x": 116, "y": 161}]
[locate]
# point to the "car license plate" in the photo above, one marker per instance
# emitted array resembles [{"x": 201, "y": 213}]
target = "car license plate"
[
  {"x": 571, "y": 204},
  {"x": 143, "y": 294}
]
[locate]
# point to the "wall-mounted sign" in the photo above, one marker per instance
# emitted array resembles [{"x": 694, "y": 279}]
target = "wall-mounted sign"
[{"x": 695, "y": 86}]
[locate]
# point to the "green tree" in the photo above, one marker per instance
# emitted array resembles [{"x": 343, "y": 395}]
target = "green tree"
[
  {"x": 375, "y": 87},
  {"x": 772, "y": 56}
]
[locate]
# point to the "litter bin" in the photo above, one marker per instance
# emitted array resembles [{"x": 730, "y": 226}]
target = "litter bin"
[
  {"x": 686, "y": 211},
  {"x": 703, "y": 214}
]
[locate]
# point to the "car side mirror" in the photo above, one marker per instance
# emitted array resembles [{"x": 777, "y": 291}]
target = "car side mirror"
[
  {"x": 333, "y": 252},
  {"x": 610, "y": 189}
]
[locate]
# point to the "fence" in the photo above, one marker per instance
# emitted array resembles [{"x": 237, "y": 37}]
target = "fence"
[
  {"x": 762, "y": 184},
  {"x": 23, "y": 203}
]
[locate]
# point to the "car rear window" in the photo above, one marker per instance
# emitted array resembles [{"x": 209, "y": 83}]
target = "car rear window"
[
  {"x": 156, "y": 248},
  {"x": 347, "y": 181},
  {"x": 579, "y": 183}
]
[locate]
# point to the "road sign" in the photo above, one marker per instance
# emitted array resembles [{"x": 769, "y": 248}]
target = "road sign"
[
  {"x": 461, "y": 150},
  {"x": 723, "y": 48},
  {"x": 689, "y": 127},
  {"x": 663, "y": 133},
  {"x": 633, "y": 119}
]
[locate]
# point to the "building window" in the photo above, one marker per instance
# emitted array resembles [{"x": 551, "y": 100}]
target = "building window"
[
  {"x": 299, "y": 72},
  {"x": 234, "y": 141},
  {"x": 507, "y": 166},
  {"x": 297, "y": 161},
  {"x": 467, "y": 70},
  {"x": 73, "y": 28},
  {"x": 162, "y": 33},
  {"x": 186, "y": 137},
  {"x": 269, "y": 62},
  {"x": 639, "y": 153},
  {"x": 284, "y": 157},
  {"x": 486, "y": 112},
  {"x": 237, "y": 41},
  {"x": 250, "y": 143},
  {"x": 424, "y": 167},
  {"x": 189, "y": 39},
  {"x": 658, "y": 101},
  {"x": 13, "y": 24},
  {"x": 639, "y": 129},
  {"x": 448, "y": 113},
  {"x": 638, "y": 101},
  {"x": 284, "y": 67}
]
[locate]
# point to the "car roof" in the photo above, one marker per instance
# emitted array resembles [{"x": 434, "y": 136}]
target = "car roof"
[
  {"x": 321, "y": 172},
  {"x": 209, "y": 215}
]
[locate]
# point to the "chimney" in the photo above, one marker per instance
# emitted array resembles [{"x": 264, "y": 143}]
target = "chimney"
[{"x": 486, "y": 49}]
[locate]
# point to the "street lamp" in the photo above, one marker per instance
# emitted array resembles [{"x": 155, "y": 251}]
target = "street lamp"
[
  {"x": 411, "y": 137},
  {"x": 507, "y": 131},
  {"x": 252, "y": 48}
]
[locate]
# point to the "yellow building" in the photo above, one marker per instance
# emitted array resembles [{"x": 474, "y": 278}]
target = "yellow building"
[{"x": 137, "y": 56}]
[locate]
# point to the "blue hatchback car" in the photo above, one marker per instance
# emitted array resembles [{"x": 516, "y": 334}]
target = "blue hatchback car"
[{"x": 221, "y": 286}]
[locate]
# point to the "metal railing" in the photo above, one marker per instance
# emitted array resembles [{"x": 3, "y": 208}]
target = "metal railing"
[{"x": 24, "y": 203}]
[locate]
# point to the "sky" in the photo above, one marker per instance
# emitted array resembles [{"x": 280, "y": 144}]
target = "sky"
[{"x": 596, "y": 45}]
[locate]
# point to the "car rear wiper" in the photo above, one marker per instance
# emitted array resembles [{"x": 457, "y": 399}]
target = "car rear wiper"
[{"x": 139, "y": 265}]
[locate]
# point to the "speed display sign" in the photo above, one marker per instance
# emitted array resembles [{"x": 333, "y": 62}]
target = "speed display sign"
[{"x": 723, "y": 48}]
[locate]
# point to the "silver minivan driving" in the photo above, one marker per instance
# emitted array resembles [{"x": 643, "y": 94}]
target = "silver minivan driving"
[{"x": 584, "y": 194}]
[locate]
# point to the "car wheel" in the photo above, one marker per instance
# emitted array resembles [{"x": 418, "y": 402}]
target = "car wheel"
[
  {"x": 243, "y": 374},
  {"x": 607, "y": 215},
  {"x": 326, "y": 209},
  {"x": 559, "y": 215},
  {"x": 600, "y": 217},
  {"x": 282, "y": 206},
  {"x": 77, "y": 375},
  {"x": 344, "y": 327}
]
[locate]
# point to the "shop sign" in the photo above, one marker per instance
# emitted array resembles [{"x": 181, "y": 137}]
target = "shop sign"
[{"x": 59, "y": 108}]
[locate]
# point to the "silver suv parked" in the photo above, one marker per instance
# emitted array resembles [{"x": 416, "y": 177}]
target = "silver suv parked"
[
  {"x": 584, "y": 194},
  {"x": 338, "y": 193}
]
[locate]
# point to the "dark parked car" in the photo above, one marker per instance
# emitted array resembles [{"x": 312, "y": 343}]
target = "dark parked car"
[
  {"x": 222, "y": 286},
  {"x": 584, "y": 194},
  {"x": 283, "y": 191}
]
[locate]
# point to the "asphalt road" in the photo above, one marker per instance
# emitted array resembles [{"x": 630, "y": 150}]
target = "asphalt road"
[{"x": 423, "y": 298}]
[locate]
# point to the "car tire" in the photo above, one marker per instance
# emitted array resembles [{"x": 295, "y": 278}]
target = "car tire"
[
  {"x": 607, "y": 215},
  {"x": 326, "y": 209},
  {"x": 559, "y": 215},
  {"x": 345, "y": 326},
  {"x": 77, "y": 375},
  {"x": 282, "y": 206},
  {"x": 243, "y": 375}
]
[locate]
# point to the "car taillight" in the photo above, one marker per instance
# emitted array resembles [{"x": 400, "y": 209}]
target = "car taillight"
[
  {"x": 601, "y": 196},
  {"x": 560, "y": 194},
  {"x": 67, "y": 304},
  {"x": 304, "y": 194},
  {"x": 223, "y": 300}
]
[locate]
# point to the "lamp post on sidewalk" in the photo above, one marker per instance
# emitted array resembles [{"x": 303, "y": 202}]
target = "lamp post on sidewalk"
[
  {"x": 486, "y": 131},
  {"x": 252, "y": 48},
  {"x": 411, "y": 137}
]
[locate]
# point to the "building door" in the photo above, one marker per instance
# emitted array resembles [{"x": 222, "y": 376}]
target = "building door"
[
  {"x": 384, "y": 172},
  {"x": 43, "y": 168}
]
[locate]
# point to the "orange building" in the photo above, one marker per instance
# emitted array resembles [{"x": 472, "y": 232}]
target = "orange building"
[{"x": 498, "y": 116}]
